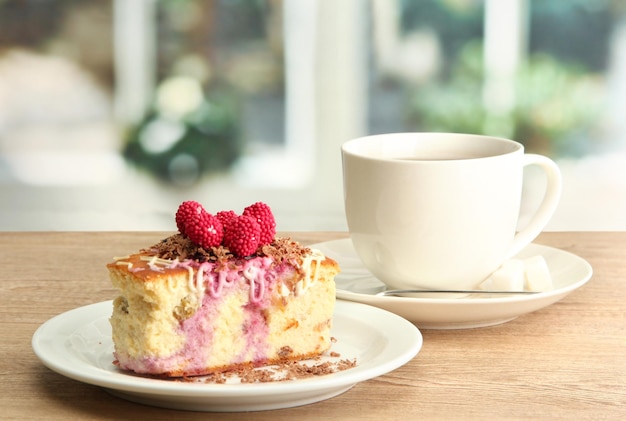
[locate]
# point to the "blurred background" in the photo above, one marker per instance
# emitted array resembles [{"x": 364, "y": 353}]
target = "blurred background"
[{"x": 113, "y": 112}]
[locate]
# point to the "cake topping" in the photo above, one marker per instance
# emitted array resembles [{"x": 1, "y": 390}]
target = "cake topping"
[
  {"x": 181, "y": 248},
  {"x": 242, "y": 234},
  {"x": 226, "y": 216},
  {"x": 262, "y": 214},
  {"x": 205, "y": 237},
  {"x": 185, "y": 212},
  {"x": 204, "y": 229}
]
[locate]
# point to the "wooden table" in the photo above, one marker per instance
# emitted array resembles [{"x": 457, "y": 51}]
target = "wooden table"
[{"x": 567, "y": 361}]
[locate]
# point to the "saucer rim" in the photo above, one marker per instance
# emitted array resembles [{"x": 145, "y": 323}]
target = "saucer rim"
[
  {"x": 467, "y": 312},
  {"x": 530, "y": 297}
]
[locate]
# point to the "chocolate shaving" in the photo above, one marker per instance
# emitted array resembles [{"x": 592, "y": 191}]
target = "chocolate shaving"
[
  {"x": 284, "y": 249},
  {"x": 284, "y": 371},
  {"x": 177, "y": 246}
]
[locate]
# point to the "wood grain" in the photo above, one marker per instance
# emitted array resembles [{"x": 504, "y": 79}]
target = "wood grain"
[{"x": 567, "y": 361}]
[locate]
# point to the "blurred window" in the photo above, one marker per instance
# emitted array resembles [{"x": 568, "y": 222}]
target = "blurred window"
[
  {"x": 545, "y": 72},
  {"x": 244, "y": 88}
]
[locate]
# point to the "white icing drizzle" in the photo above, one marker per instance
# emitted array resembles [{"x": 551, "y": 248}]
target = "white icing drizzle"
[
  {"x": 122, "y": 263},
  {"x": 196, "y": 281},
  {"x": 190, "y": 272},
  {"x": 199, "y": 285},
  {"x": 256, "y": 291},
  {"x": 155, "y": 260},
  {"x": 316, "y": 256}
]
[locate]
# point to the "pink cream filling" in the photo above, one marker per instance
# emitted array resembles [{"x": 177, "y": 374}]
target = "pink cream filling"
[{"x": 199, "y": 329}]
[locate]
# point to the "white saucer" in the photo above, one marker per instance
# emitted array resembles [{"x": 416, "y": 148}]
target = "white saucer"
[
  {"x": 355, "y": 283},
  {"x": 78, "y": 345}
]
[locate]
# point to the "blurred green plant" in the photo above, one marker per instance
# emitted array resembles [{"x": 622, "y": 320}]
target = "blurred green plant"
[
  {"x": 187, "y": 133},
  {"x": 557, "y": 104}
]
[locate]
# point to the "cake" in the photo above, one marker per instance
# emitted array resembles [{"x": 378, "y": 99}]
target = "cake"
[{"x": 222, "y": 293}]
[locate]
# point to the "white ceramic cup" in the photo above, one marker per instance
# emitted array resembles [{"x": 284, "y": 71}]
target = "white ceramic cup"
[{"x": 439, "y": 210}]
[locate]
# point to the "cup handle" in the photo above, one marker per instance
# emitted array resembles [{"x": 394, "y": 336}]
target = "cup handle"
[{"x": 546, "y": 208}]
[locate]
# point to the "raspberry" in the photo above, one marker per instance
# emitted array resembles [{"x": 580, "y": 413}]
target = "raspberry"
[
  {"x": 185, "y": 212},
  {"x": 226, "y": 216},
  {"x": 264, "y": 217},
  {"x": 204, "y": 230},
  {"x": 241, "y": 236}
]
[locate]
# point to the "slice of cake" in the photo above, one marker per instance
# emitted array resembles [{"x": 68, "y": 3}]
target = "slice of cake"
[{"x": 221, "y": 294}]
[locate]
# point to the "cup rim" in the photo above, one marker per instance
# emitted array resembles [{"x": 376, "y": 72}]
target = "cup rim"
[{"x": 508, "y": 146}]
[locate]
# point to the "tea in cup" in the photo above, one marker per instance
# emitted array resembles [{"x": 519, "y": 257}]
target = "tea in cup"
[{"x": 439, "y": 211}]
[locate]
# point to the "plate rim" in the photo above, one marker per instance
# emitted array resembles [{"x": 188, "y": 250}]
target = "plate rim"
[{"x": 411, "y": 340}]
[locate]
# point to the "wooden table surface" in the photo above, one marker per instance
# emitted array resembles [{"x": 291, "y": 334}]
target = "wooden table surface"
[{"x": 566, "y": 361}]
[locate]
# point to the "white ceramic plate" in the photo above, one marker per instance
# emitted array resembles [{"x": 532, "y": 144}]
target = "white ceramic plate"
[
  {"x": 77, "y": 344},
  {"x": 355, "y": 283}
]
